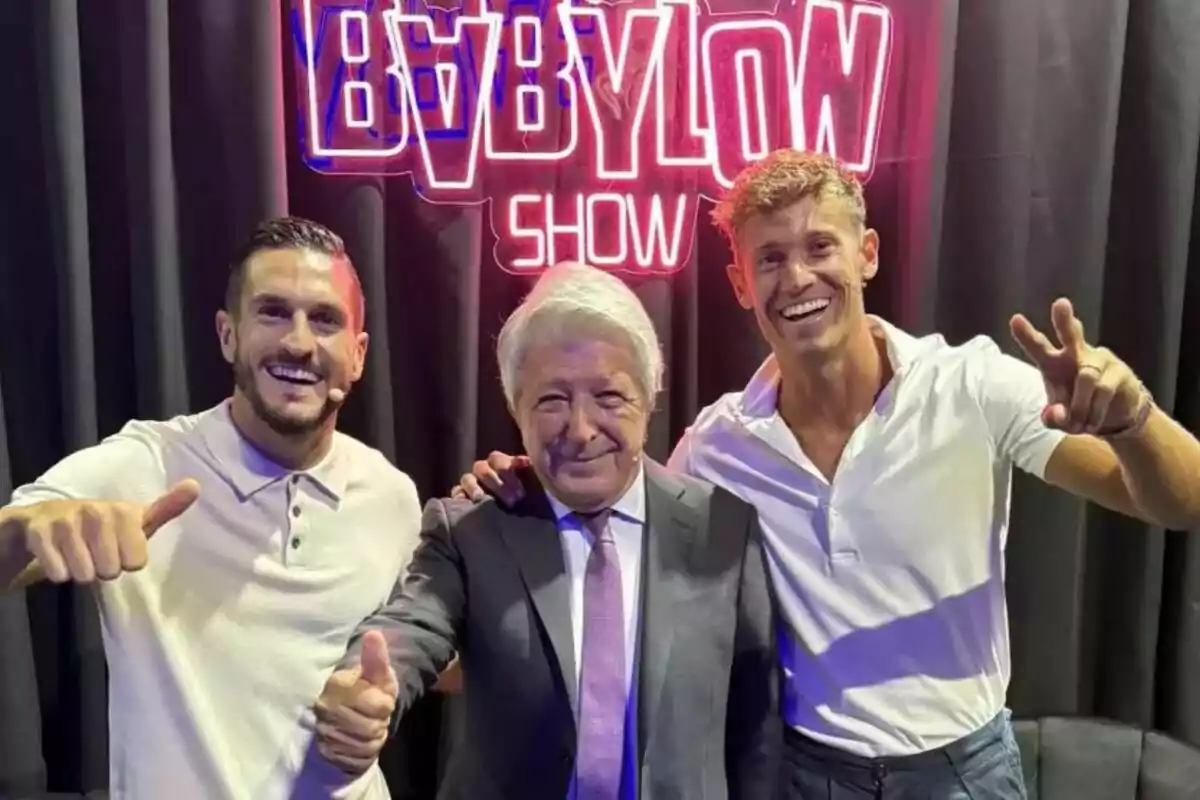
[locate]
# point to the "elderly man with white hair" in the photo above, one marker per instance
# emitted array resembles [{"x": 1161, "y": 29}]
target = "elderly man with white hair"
[{"x": 615, "y": 627}]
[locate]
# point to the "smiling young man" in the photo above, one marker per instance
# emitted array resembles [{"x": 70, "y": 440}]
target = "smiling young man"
[
  {"x": 233, "y": 552},
  {"x": 880, "y": 465}
]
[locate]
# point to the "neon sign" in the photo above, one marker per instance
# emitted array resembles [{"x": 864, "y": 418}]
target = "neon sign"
[{"x": 592, "y": 129}]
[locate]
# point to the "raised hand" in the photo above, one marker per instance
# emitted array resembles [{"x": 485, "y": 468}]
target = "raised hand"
[
  {"x": 1089, "y": 389},
  {"x": 88, "y": 540},
  {"x": 355, "y": 709},
  {"x": 499, "y": 476}
]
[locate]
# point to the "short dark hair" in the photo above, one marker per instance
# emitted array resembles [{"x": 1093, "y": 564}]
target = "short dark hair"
[{"x": 288, "y": 233}]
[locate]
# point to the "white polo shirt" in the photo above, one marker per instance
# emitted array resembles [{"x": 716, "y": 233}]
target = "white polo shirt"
[
  {"x": 890, "y": 578},
  {"x": 218, "y": 649}
]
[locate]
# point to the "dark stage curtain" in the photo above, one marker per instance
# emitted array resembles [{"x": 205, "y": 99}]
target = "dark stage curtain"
[{"x": 1031, "y": 148}]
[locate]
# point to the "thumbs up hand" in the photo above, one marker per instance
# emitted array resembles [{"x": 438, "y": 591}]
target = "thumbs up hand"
[
  {"x": 355, "y": 709},
  {"x": 88, "y": 540}
]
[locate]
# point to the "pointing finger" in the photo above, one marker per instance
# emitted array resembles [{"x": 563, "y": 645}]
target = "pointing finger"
[
  {"x": 1067, "y": 326},
  {"x": 178, "y": 499},
  {"x": 1032, "y": 341}
]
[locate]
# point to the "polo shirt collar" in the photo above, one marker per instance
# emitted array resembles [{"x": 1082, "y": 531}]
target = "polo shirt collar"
[
  {"x": 249, "y": 470},
  {"x": 761, "y": 393}
]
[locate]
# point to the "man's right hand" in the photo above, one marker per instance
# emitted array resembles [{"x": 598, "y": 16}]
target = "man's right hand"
[
  {"x": 86, "y": 540},
  {"x": 499, "y": 476},
  {"x": 355, "y": 708}
]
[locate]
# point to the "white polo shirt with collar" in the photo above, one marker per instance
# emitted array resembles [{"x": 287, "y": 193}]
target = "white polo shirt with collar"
[
  {"x": 218, "y": 649},
  {"x": 890, "y": 577}
]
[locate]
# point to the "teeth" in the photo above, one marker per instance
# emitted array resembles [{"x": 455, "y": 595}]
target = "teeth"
[
  {"x": 800, "y": 309},
  {"x": 287, "y": 373}
]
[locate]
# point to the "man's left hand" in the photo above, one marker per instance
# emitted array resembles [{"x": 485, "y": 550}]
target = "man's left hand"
[{"x": 1089, "y": 389}]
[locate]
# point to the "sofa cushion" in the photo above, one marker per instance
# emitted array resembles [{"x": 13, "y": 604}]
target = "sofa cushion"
[
  {"x": 1170, "y": 770},
  {"x": 1064, "y": 759}
]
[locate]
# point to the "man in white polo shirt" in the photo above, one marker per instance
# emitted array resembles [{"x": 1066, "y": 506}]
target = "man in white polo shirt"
[
  {"x": 880, "y": 465},
  {"x": 233, "y": 552}
]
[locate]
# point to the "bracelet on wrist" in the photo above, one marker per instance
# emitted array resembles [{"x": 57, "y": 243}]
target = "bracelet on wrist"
[{"x": 1134, "y": 427}]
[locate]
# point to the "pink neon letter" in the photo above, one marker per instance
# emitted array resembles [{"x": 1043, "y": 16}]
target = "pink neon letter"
[
  {"x": 658, "y": 242},
  {"x": 748, "y": 74},
  {"x": 839, "y": 86},
  {"x": 619, "y": 93},
  {"x": 518, "y": 231},
  {"x": 442, "y": 98},
  {"x": 682, "y": 140},
  {"x": 523, "y": 119},
  {"x": 354, "y": 120}
]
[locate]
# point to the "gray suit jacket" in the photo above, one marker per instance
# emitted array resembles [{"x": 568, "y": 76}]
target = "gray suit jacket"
[{"x": 490, "y": 584}]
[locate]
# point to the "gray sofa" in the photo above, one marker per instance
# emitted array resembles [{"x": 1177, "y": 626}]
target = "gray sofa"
[{"x": 1087, "y": 759}]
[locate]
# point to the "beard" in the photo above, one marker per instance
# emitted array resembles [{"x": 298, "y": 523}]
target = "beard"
[{"x": 245, "y": 378}]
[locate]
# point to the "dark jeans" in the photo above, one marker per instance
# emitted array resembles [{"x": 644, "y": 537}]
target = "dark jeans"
[{"x": 986, "y": 765}]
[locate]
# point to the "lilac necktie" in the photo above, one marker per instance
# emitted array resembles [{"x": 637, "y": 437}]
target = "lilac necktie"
[{"x": 602, "y": 692}]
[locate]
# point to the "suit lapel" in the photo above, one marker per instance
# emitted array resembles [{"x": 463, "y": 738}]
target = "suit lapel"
[
  {"x": 532, "y": 537},
  {"x": 672, "y": 528}
]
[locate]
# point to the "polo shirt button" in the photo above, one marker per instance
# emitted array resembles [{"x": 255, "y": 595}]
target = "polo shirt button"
[
  {"x": 295, "y": 511},
  {"x": 295, "y": 479},
  {"x": 295, "y": 542}
]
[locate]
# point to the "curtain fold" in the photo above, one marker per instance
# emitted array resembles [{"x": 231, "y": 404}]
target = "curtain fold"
[
  {"x": 22, "y": 770},
  {"x": 66, "y": 180},
  {"x": 362, "y": 223},
  {"x": 144, "y": 56}
]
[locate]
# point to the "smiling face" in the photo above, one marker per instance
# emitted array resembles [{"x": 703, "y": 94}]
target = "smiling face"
[
  {"x": 294, "y": 337},
  {"x": 802, "y": 269},
  {"x": 583, "y": 418}
]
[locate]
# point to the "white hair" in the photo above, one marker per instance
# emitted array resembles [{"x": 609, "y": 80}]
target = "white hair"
[{"x": 569, "y": 299}]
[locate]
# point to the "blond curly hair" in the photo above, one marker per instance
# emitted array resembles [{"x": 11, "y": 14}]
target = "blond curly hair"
[{"x": 783, "y": 178}]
